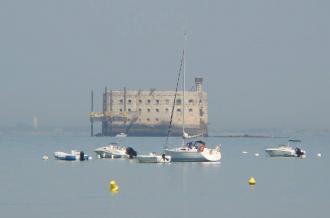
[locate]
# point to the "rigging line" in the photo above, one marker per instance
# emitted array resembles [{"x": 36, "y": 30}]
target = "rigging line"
[{"x": 175, "y": 94}]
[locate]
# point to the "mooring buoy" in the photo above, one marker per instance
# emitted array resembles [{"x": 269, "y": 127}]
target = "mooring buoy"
[
  {"x": 113, "y": 186},
  {"x": 252, "y": 181}
]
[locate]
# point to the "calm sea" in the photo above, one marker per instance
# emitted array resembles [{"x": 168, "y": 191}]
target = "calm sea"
[{"x": 286, "y": 187}]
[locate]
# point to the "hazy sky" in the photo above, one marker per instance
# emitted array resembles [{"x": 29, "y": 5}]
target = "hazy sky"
[{"x": 266, "y": 64}]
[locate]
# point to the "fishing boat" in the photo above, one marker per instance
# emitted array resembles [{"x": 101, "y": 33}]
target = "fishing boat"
[
  {"x": 286, "y": 150},
  {"x": 154, "y": 158},
  {"x": 194, "y": 151},
  {"x": 74, "y": 155},
  {"x": 114, "y": 150}
]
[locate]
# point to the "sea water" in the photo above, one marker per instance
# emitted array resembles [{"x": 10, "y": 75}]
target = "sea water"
[{"x": 285, "y": 187}]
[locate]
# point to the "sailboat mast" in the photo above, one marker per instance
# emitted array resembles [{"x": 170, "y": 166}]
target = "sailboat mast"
[{"x": 183, "y": 92}]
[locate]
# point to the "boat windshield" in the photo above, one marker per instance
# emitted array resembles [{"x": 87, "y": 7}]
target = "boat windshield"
[
  {"x": 294, "y": 140},
  {"x": 114, "y": 144}
]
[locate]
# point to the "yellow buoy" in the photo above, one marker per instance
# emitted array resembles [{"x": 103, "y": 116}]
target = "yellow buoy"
[
  {"x": 113, "y": 186},
  {"x": 252, "y": 181}
]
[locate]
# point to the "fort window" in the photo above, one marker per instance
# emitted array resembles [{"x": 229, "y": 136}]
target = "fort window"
[
  {"x": 148, "y": 109},
  {"x": 201, "y": 112},
  {"x": 129, "y": 109},
  {"x": 140, "y": 110},
  {"x": 121, "y": 110},
  {"x": 190, "y": 110},
  {"x": 178, "y": 102},
  {"x": 148, "y": 101},
  {"x": 200, "y": 101},
  {"x": 157, "y": 119},
  {"x": 166, "y": 109},
  {"x": 157, "y": 101},
  {"x": 129, "y": 101},
  {"x": 121, "y": 101},
  {"x": 178, "y": 110},
  {"x": 191, "y": 101},
  {"x": 140, "y": 101},
  {"x": 148, "y": 119},
  {"x": 157, "y": 110},
  {"x": 167, "y": 101}
]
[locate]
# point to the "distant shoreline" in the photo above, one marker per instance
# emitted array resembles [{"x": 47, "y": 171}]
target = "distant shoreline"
[{"x": 245, "y": 136}]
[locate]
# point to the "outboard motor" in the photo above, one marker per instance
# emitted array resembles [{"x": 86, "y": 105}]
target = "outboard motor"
[
  {"x": 131, "y": 152},
  {"x": 82, "y": 156},
  {"x": 299, "y": 152},
  {"x": 164, "y": 157}
]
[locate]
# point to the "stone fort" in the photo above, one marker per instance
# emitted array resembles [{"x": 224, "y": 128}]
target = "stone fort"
[{"x": 148, "y": 113}]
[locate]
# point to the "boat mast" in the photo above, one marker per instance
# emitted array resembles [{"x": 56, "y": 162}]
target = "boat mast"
[
  {"x": 184, "y": 87},
  {"x": 183, "y": 93}
]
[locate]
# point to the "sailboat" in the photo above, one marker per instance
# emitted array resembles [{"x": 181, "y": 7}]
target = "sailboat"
[{"x": 193, "y": 151}]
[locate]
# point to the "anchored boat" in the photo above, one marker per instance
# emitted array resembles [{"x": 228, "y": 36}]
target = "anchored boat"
[
  {"x": 286, "y": 150},
  {"x": 74, "y": 155},
  {"x": 154, "y": 158},
  {"x": 114, "y": 150},
  {"x": 195, "y": 151}
]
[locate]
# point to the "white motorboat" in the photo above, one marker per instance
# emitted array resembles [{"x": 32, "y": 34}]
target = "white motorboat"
[
  {"x": 193, "y": 151},
  {"x": 286, "y": 151},
  {"x": 121, "y": 135},
  {"x": 154, "y": 158},
  {"x": 74, "y": 155},
  {"x": 281, "y": 151},
  {"x": 114, "y": 150}
]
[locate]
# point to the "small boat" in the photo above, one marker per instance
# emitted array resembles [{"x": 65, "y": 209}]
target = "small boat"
[
  {"x": 154, "y": 158},
  {"x": 114, "y": 150},
  {"x": 121, "y": 135},
  {"x": 286, "y": 151},
  {"x": 74, "y": 155}
]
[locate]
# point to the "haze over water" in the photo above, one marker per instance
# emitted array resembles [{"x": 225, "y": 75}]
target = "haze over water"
[
  {"x": 265, "y": 65},
  {"x": 286, "y": 187}
]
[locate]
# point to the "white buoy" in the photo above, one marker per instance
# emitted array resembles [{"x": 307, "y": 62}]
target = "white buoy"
[
  {"x": 45, "y": 157},
  {"x": 256, "y": 154},
  {"x": 244, "y": 152},
  {"x": 319, "y": 155}
]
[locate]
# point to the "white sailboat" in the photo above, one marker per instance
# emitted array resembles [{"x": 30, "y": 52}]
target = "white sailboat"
[{"x": 195, "y": 151}]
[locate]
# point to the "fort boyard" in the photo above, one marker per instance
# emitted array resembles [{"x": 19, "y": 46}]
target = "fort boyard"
[{"x": 148, "y": 113}]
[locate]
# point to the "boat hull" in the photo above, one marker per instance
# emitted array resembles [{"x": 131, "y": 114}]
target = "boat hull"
[
  {"x": 153, "y": 158},
  {"x": 280, "y": 153},
  {"x": 64, "y": 156},
  {"x": 74, "y": 155}
]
